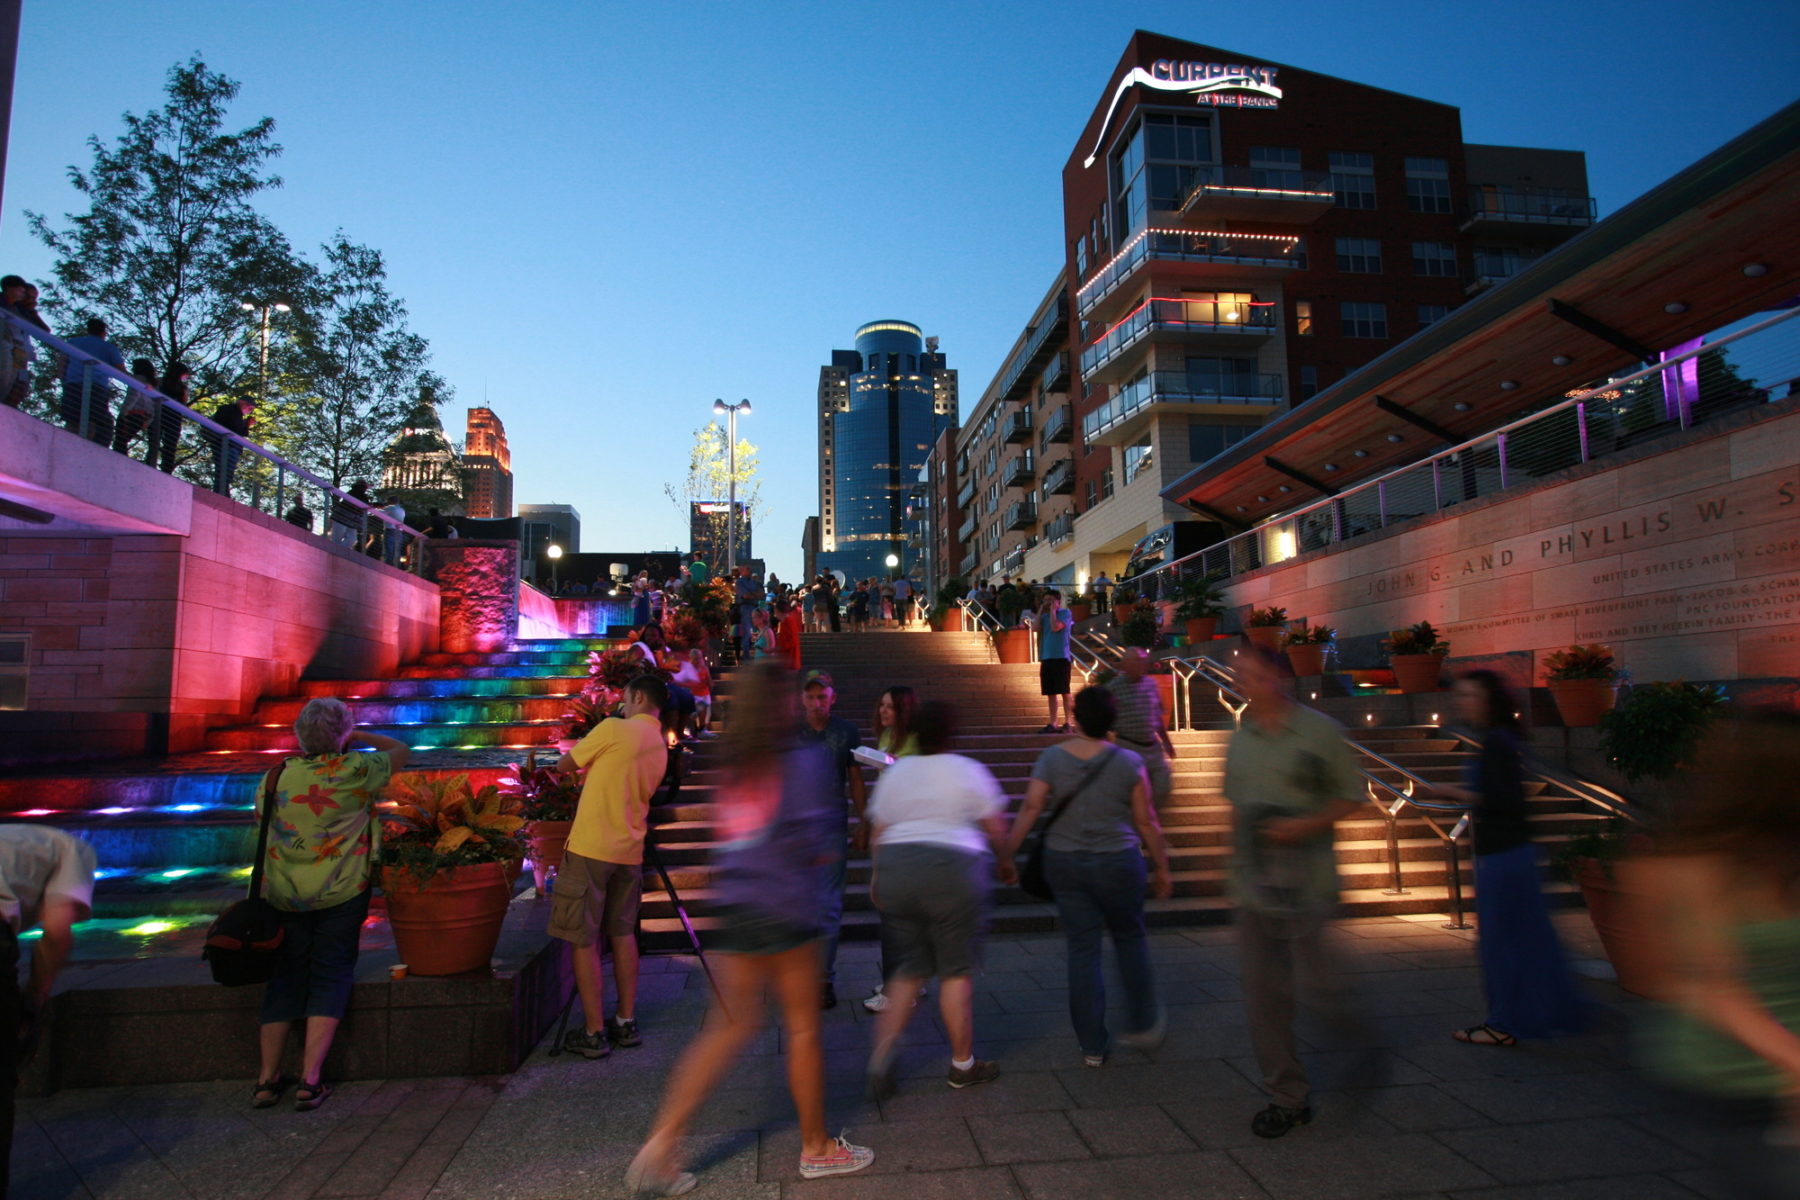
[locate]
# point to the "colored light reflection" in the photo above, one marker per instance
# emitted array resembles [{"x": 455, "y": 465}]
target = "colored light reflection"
[
  {"x": 178, "y": 873},
  {"x": 111, "y": 872},
  {"x": 115, "y": 811},
  {"x": 39, "y": 812},
  {"x": 146, "y": 928}
]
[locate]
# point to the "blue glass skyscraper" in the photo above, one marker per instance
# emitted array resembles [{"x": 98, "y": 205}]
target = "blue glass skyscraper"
[{"x": 881, "y": 408}]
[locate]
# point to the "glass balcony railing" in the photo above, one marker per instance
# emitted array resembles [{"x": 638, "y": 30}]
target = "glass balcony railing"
[
  {"x": 1060, "y": 478},
  {"x": 1022, "y": 514},
  {"x": 1256, "y": 317},
  {"x": 1019, "y": 470},
  {"x": 1529, "y": 207},
  {"x": 1175, "y": 387},
  {"x": 1018, "y": 426},
  {"x": 1061, "y": 529},
  {"x": 1259, "y": 184},
  {"x": 970, "y": 561},
  {"x": 1056, "y": 376},
  {"x": 966, "y": 529},
  {"x": 1180, "y": 245},
  {"x": 966, "y": 494},
  {"x": 1032, "y": 354},
  {"x": 1059, "y": 425}
]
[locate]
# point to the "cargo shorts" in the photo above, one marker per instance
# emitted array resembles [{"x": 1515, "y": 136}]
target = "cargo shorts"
[{"x": 592, "y": 897}]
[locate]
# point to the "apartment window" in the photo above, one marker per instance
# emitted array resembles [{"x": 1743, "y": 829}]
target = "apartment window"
[
  {"x": 1136, "y": 459},
  {"x": 1275, "y": 167},
  {"x": 1501, "y": 262},
  {"x": 1365, "y": 319},
  {"x": 1157, "y": 166},
  {"x": 1106, "y": 483},
  {"x": 1427, "y": 185},
  {"x": 1434, "y": 258},
  {"x": 1207, "y": 441},
  {"x": 1431, "y": 314},
  {"x": 1092, "y": 495},
  {"x": 1361, "y": 256},
  {"x": 1309, "y": 382},
  {"x": 1303, "y": 325},
  {"x": 1353, "y": 179}
]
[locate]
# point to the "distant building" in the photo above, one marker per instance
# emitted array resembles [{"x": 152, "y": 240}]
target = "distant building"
[
  {"x": 709, "y": 535},
  {"x": 809, "y": 549},
  {"x": 542, "y": 526},
  {"x": 486, "y": 467},
  {"x": 420, "y": 468},
  {"x": 881, "y": 407}
]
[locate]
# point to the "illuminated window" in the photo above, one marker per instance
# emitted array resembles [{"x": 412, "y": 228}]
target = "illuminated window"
[{"x": 1303, "y": 321}]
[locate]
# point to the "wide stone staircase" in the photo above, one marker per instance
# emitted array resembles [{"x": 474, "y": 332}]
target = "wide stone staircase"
[{"x": 1000, "y": 712}]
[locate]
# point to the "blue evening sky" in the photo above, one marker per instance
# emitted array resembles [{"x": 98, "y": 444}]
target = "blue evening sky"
[{"x": 604, "y": 215}]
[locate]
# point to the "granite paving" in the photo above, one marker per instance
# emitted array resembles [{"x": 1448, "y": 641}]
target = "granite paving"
[{"x": 1409, "y": 1114}]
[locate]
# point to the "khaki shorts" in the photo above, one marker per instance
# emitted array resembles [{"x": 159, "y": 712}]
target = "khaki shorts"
[{"x": 591, "y": 897}]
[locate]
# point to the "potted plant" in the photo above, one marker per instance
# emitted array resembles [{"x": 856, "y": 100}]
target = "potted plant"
[
  {"x": 547, "y": 800},
  {"x": 1265, "y": 627},
  {"x": 1009, "y": 605},
  {"x": 1417, "y": 655},
  {"x": 1081, "y": 606},
  {"x": 1590, "y": 859},
  {"x": 449, "y": 855},
  {"x": 1139, "y": 628},
  {"x": 586, "y": 710},
  {"x": 1655, "y": 728},
  {"x": 1199, "y": 605},
  {"x": 1123, "y": 597},
  {"x": 1306, "y": 648},
  {"x": 945, "y": 617},
  {"x": 1581, "y": 683}
]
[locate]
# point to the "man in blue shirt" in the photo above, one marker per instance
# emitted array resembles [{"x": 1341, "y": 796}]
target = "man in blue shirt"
[
  {"x": 842, "y": 738},
  {"x": 88, "y": 389},
  {"x": 747, "y": 593},
  {"x": 1055, "y": 623}
]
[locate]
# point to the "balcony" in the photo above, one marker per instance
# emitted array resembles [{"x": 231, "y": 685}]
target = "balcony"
[
  {"x": 1188, "y": 320},
  {"x": 1014, "y": 562},
  {"x": 965, "y": 494},
  {"x": 1059, "y": 425},
  {"x": 1020, "y": 471},
  {"x": 1022, "y": 514},
  {"x": 1060, "y": 478},
  {"x": 1040, "y": 343},
  {"x": 970, "y": 561},
  {"x": 1244, "y": 255},
  {"x": 1017, "y": 426},
  {"x": 1497, "y": 266},
  {"x": 967, "y": 529},
  {"x": 1061, "y": 529},
  {"x": 1056, "y": 376},
  {"x": 1126, "y": 416},
  {"x": 1259, "y": 194},
  {"x": 1527, "y": 212}
]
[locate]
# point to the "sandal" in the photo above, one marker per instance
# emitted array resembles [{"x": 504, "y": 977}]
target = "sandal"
[
  {"x": 309, "y": 1096},
  {"x": 1485, "y": 1035},
  {"x": 267, "y": 1092}
]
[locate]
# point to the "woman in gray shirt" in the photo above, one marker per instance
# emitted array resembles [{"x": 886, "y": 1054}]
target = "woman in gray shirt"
[{"x": 1094, "y": 861}]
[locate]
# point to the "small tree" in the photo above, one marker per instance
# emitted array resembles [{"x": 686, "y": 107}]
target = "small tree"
[{"x": 709, "y": 477}]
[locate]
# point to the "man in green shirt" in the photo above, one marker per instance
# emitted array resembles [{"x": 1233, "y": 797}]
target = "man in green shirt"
[{"x": 1290, "y": 778}]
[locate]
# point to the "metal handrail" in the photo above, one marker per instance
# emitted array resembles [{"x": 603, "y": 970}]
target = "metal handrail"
[
  {"x": 282, "y": 466},
  {"x": 1588, "y": 792}
]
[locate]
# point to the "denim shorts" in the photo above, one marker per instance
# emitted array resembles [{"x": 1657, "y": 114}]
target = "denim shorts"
[{"x": 317, "y": 964}]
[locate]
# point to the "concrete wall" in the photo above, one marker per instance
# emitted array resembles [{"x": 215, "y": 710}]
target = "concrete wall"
[
  {"x": 192, "y": 630},
  {"x": 1685, "y": 559}
]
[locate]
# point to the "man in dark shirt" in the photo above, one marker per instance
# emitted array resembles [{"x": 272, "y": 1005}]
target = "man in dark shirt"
[
  {"x": 748, "y": 593},
  {"x": 234, "y": 417},
  {"x": 88, "y": 391},
  {"x": 842, "y": 739}
]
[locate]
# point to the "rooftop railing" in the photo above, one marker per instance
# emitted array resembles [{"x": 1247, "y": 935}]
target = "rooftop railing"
[
  {"x": 89, "y": 388},
  {"x": 1683, "y": 390},
  {"x": 1530, "y": 206}
]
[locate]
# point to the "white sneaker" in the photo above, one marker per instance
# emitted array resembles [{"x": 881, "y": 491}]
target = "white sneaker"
[{"x": 877, "y": 1001}]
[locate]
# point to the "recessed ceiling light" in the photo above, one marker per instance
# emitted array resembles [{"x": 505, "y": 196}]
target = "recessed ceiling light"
[
  {"x": 1262, "y": 499},
  {"x": 1462, "y": 406},
  {"x": 1562, "y": 360},
  {"x": 1507, "y": 385},
  {"x": 1675, "y": 308},
  {"x": 1286, "y": 488},
  {"x": 1394, "y": 437},
  {"x": 1362, "y": 454},
  {"x": 1331, "y": 466},
  {"x": 1241, "y": 508},
  {"x": 1756, "y": 270}
]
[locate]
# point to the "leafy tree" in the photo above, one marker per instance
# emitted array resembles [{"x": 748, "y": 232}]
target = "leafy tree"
[
  {"x": 709, "y": 478},
  {"x": 171, "y": 248},
  {"x": 353, "y": 372}
]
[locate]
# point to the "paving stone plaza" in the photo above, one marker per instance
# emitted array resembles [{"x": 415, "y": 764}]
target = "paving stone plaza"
[{"x": 1567, "y": 1120}]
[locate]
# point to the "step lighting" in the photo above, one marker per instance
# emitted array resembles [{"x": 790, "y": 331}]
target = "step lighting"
[
  {"x": 178, "y": 873},
  {"x": 40, "y": 812},
  {"x": 149, "y": 927},
  {"x": 184, "y": 808},
  {"x": 115, "y": 811}
]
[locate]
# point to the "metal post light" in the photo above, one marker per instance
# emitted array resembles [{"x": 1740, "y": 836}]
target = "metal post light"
[
  {"x": 731, "y": 412},
  {"x": 262, "y": 387},
  {"x": 554, "y": 553}
]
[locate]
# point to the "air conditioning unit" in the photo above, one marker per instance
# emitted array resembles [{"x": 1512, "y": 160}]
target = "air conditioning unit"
[{"x": 15, "y": 669}]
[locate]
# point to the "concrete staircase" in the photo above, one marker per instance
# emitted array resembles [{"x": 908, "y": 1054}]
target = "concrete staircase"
[{"x": 1001, "y": 711}]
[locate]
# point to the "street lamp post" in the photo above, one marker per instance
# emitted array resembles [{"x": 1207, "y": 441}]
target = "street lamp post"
[
  {"x": 730, "y": 412},
  {"x": 262, "y": 387},
  {"x": 554, "y": 553}
]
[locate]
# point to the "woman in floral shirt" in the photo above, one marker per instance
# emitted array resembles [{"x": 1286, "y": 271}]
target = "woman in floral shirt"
[{"x": 323, "y": 838}]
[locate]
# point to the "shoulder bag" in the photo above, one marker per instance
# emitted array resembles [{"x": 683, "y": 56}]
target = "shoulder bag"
[
  {"x": 1031, "y": 872},
  {"x": 244, "y": 943}
]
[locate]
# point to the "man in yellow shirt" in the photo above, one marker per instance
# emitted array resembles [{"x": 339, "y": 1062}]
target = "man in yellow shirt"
[{"x": 600, "y": 882}]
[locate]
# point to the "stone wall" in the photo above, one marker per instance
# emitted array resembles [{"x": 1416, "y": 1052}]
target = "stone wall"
[
  {"x": 1685, "y": 559},
  {"x": 478, "y": 581}
]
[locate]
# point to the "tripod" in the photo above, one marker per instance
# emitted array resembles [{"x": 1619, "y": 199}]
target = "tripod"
[{"x": 669, "y": 792}]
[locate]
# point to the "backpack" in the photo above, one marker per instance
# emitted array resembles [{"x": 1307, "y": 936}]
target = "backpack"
[{"x": 243, "y": 945}]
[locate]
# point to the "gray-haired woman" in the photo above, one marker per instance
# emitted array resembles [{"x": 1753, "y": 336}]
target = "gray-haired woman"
[{"x": 323, "y": 836}]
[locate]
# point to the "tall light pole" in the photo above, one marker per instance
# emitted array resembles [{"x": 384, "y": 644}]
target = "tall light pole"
[
  {"x": 262, "y": 387},
  {"x": 730, "y": 412}
]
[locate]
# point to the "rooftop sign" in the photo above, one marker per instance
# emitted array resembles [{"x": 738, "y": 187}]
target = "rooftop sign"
[{"x": 1211, "y": 84}]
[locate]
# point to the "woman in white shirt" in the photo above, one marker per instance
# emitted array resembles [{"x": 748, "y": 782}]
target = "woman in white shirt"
[{"x": 936, "y": 818}]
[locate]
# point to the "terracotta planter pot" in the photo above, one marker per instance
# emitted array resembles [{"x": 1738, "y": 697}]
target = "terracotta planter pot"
[
  {"x": 548, "y": 840},
  {"x": 1013, "y": 645},
  {"x": 1307, "y": 658},
  {"x": 1582, "y": 702},
  {"x": 451, "y": 925},
  {"x": 1201, "y": 629},
  {"x": 1267, "y": 636},
  {"x": 1081, "y": 611},
  {"x": 1418, "y": 672},
  {"x": 1617, "y": 916},
  {"x": 1120, "y": 612},
  {"x": 1165, "y": 686}
]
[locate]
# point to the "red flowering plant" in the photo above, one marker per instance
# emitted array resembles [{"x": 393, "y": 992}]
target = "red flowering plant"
[{"x": 688, "y": 632}]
